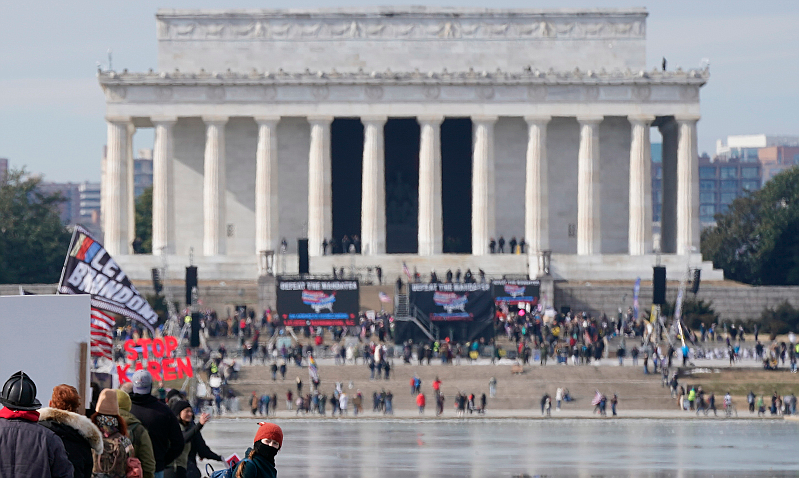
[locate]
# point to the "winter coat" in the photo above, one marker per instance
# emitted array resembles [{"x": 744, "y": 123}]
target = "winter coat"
[
  {"x": 161, "y": 423},
  {"x": 142, "y": 445},
  {"x": 258, "y": 467},
  {"x": 29, "y": 450},
  {"x": 79, "y": 435},
  {"x": 201, "y": 449}
]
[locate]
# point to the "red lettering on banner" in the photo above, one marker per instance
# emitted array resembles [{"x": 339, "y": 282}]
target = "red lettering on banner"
[
  {"x": 144, "y": 344},
  {"x": 155, "y": 370},
  {"x": 131, "y": 350},
  {"x": 171, "y": 345},
  {"x": 166, "y": 368},
  {"x": 122, "y": 374},
  {"x": 158, "y": 348},
  {"x": 184, "y": 367},
  {"x": 170, "y": 371}
]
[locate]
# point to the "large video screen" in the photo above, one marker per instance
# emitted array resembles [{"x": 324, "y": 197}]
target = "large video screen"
[
  {"x": 317, "y": 302},
  {"x": 513, "y": 292},
  {"x": 453, "y": 302}
]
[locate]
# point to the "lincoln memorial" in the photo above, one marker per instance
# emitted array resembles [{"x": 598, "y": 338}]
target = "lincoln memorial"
[{"x": 423, "y": 132}]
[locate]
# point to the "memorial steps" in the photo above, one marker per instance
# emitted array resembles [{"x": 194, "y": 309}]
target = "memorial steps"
[{"x": 634, "y": 389}]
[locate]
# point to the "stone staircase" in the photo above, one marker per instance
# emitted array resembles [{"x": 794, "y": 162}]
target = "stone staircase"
[{"x": 524, "y": 391}]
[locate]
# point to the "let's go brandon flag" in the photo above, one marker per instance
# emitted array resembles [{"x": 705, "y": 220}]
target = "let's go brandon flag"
[{"x": 89, "y": 269}]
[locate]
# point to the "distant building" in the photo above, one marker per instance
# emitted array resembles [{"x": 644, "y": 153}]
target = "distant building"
[
  {"x": 70, "y": 208},
  {"x": 745, "y": 147},
  {"x": 776, "y": 159},
  {"x": 81, "y": 203},
  {"x": 90, "y": 207},
  {"x": 142, "y": 171},
  {"x": 723, "y": 180},
  {"x": 3, "y": 170}
]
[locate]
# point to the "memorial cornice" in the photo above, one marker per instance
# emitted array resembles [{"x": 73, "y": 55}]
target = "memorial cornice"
[
  {"x": 471, "y": 77},
  {"x": 391, "y": 87},
  {"x": 400, "y": 23}
]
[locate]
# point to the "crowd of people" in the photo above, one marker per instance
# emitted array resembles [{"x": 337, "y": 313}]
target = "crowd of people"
[
  {"x": 127, "y": 432},
  {"x": 497, "y": 246}
]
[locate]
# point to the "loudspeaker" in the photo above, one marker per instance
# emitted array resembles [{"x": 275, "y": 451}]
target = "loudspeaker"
[
  {"x": 194, "y": 340},
  {"x": 191, "y": 282},
  {"x": 695, "y": 283},
  {"x": 157, "y": 281},
  {"x": 659, "y": 285},
  {"x": 302, "y": 249}
]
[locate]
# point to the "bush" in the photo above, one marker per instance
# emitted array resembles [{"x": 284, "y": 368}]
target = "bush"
[{"x": 780, "y": 320}]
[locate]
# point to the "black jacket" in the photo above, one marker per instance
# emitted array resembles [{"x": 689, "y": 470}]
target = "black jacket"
[
  {"x": 79, "y": 436},
  {"x": 162, "y": 425},
  {"x": 198, "y": 448}
]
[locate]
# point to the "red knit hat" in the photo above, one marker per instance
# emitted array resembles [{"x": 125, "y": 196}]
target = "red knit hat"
[{"x": 270, "y": 431}]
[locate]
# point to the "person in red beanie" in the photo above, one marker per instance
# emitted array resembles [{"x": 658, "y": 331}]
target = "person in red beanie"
[{"x": 260, "y": 461}]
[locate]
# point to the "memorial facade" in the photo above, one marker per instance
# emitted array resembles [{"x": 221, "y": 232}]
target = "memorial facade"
[{"x": 281, "y": 124}]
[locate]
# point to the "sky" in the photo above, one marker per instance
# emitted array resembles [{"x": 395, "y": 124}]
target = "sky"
[{"x": 52, "y": 109}]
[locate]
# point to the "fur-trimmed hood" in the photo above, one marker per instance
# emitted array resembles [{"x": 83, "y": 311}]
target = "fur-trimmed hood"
[{"x": 79, "y": 423}]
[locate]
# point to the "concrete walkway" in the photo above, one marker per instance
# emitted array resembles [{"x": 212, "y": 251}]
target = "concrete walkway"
[{"x": 449, "y": 414}]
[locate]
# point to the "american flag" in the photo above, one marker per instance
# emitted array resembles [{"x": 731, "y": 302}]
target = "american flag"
[
  {"x": 384, "y": 297},
  {"x": 102, "y": 334},
  {"x": 406, "y": 270},
  {"x": 597, "y": 398}
]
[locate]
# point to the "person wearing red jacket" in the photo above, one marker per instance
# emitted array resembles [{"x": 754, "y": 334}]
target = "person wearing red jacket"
[{"x": 420, "y": 403}]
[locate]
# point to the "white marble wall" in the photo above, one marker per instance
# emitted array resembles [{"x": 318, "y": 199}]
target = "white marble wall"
[
  {"x": 293, "y": 143},
  {"x": 401, "y": 38},
  {"x": 241, "y": 139},
  {"x": 510, "y": 149},
  {"x": 189, "y": 149},
  {"x": 563, "y": 141},
  {"x": 614, "y": 157}
]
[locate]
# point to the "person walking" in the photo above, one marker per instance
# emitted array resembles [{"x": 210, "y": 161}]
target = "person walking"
[
  {"x": 79, "y": 435},
  {"x": 613, "y": 402},
  {"x": 492, "y": 387},
  {"x": 142, "y": 444},
  {"x": 112, "y": 461},
  {"x": 158, "y": 419},
  {"x": 194, "y": 444},
  {"x": 558, "y": 398},
  {"x": 23, "y": 440},
  {"x": 420, "y": 402}
]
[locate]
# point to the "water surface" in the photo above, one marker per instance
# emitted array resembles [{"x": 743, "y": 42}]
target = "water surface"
[{"x": 494, "y": 448}]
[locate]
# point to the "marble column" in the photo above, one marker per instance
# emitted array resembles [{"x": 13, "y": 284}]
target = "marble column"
[
  {"x": 163, "y": 192},
  {"x": 536, "y": 193},
  {"x": 373, "y": 191},
  {"x": 589, "y": 210},
  {"x": 430, "y": 213},
  {"x": 115, "y": 213},
  {"x": 266, "y": 185},
  {"x": 214, "y": 188},
  {"x": 320, "y": 194},
  {"x": 640, "y": 222},
  {"x": 130, "y": 189},
  {"x": 687, "y": 186},
  {"x": 483, "y": 194}
]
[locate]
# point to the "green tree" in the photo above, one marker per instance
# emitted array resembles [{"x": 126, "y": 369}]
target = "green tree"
[
  {"x": 33, "y": 241},
  {"x": 694, "y": 312},
  {"x": 144, "y": 222},
  {"x": 780, "y": 320},
  {"x": 757, "y": 240}
]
